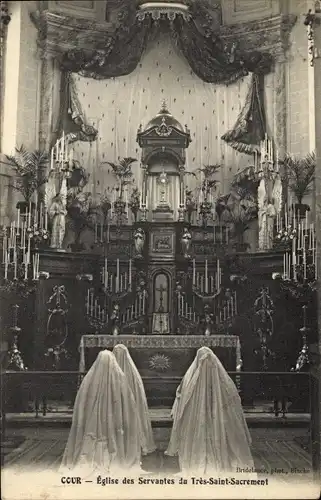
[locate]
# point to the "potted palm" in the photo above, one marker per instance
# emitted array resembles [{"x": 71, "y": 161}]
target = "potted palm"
[
  {"x": 300, "y": 173},
  {"x": 123, "y": 173},
  {"x": 29, "y": 167},
  {"x": 209, "y": 183}
]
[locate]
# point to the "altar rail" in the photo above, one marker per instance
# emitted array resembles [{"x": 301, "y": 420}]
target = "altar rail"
[{"x": 55, "y": 391}]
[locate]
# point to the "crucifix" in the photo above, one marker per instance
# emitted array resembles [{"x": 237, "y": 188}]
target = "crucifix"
[{"x": 161, "y": 289}]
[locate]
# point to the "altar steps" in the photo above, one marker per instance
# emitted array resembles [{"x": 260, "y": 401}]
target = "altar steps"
[{"x": 160, "y": 417}]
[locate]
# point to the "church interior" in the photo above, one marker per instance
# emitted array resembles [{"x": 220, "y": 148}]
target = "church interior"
[{"x": 159, "y": 188}]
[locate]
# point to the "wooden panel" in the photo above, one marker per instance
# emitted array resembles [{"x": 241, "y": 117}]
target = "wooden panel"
[
  {"x": 242, "y": 11},
  {"x": 80, "y": 8}
]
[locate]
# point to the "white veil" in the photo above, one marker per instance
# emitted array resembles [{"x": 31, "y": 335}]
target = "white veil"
[
  {"x": 186, "y": 379},
  {"x": 209, "y": 431},
  {"x": 135, "y": 382},
  {"x": 105, "y": 429}
]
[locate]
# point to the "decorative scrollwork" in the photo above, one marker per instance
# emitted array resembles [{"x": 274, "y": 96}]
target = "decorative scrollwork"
[
  {"x": 264, "y": 309},
  {"x": 159, "y": 362},
  {"x": 164, "y": 130}
]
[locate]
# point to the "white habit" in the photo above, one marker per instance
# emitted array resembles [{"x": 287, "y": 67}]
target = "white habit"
[
  {"x": 136, "y": 384},
  {"x": 104, "y": 434},
  {"x": 209, "y": 431}
]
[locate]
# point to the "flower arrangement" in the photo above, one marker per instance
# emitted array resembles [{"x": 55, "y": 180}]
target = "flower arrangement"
[
  {"x": 285, "y": 237},
  {"x": 54, "y": 355}
]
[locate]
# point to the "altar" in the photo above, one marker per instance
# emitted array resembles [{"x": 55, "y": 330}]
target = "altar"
[{"x": 162, "y": 361}]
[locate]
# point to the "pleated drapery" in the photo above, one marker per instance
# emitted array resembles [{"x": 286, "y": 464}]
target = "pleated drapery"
[{"x": 117, "y": 106}]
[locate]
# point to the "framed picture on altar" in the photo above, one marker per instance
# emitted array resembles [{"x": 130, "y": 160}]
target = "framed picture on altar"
[{"x": 162, "y": 243}]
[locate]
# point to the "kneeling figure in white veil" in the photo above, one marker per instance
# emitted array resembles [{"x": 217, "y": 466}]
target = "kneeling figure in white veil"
[
  {"x": 209, "y": 432},
  {"x": 135, "y": 382},
  {"x": 104, "y": 434}
]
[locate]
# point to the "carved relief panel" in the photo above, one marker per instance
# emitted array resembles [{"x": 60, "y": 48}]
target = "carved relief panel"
[
  {"x": 80, "y": 8},
  {"x": 162, "y": 244},
  {"x": 242, "y": 11}
]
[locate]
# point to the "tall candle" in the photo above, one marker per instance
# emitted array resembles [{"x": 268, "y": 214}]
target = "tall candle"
[
  {"x": 194, "y": 273},
  {"x": 306, "y": 220},
  {"x": 6, "y": 268},
  {"x": 18, "y": 221},
  {"x": 206, "y": 277},
  {"x": 15, "y": 264},
  {"x": 117, "y": 276}
]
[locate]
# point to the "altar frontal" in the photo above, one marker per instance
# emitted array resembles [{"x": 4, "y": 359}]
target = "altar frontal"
[{"x": 163, "y": 361}]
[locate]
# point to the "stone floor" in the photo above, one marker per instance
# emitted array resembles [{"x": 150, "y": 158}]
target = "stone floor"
[{"x": 272, "y": 447}]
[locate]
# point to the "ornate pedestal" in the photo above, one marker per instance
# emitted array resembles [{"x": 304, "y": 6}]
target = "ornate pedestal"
[{"x": 162, "y": 361}]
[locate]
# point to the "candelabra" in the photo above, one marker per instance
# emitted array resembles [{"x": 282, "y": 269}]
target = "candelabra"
[
  {"x": 269, "y": 192},
  {"x": 300, "y": 261},
  {"x": 62, "y": 156},
  {"x": 303, "y": 358},
  {"x": 116, "y": 289},
  {"x": 217, "y": 305},
  {"x": 23, "y": 237},
  {"x": 264, "y": 309},
  {"x": 15, "y": 359}
]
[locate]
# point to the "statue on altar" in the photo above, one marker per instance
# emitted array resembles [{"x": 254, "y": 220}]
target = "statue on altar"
[
  {"x": 115, "y": 318},
  {"x": 186, "y": 243},
  {"x": 268, "y": 210},
  {"x": 57, "y": 213},
  {"x": 208, "y": 321},
  {"x": 139, "y": 238},
  {"x": 56, "y": 206}
]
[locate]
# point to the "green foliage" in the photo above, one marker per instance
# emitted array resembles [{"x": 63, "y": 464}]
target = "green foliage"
[
  {"x": 29, "y": 167},
  {"x": 300, "y": 173}
]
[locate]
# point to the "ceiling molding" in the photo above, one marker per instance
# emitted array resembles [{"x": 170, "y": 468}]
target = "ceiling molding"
[{"x": 59, "y": 33}]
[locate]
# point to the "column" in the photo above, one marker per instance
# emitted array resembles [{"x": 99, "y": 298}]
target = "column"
[
  {"x": 144, "y": 185},
  {"x": 316, "y": 405}
]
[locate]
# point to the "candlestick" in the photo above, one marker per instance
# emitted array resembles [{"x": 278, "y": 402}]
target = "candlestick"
[
  {"x": 117, "y": 276},
  {"x": 194, "y": 273},
  {"x": 130, "y": 272},
  {"x": 206, "y": 277},
  {"x": 306, "y": 220}
]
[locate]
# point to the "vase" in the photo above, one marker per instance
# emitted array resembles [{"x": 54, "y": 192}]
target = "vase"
[
  {"x": 301, "y": 209},
  {"x": 23, "y": 206}
]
